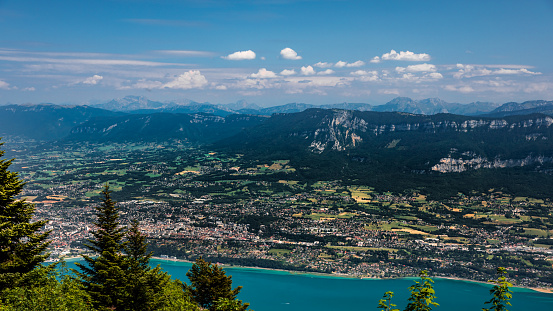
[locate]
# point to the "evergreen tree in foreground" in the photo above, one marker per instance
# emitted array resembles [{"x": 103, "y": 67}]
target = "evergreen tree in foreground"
[
  {"x": 211, "y": 288},
  {"x": 104, "y": 276},
  {"x": 146, "y": 286},
  {"x": 120, "y": 277},
  {"x": 22, "y": 246}
]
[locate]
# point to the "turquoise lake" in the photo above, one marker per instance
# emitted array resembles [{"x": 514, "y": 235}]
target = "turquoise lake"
[{"x": 268, "y": 290}]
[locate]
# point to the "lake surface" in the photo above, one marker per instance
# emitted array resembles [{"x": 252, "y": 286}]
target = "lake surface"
[{"x": 268, "y": 290}]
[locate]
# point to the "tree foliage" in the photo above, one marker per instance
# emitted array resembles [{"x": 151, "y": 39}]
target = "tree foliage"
[
  {"x": 120, "y": 276},
  {"x": 386, "y": 302},
  {"x": 22, "y": 245},
  {"x": 209, "y": 283},
  {"x": 500, "y": 292},
  {"x": 422, "y": 294},
  {"x": 104, "y": 276},
  {"x": 51, "y": 289}
]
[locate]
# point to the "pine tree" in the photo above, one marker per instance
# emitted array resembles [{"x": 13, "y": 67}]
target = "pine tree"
[
  {"x": 209, "y": 284},
  {"x": 22, "y": 245},
  {"x": 145, "y": 286},
  {"x": 104, "y": 276}
]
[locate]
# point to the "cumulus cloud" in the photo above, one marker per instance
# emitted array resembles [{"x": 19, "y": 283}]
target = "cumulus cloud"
[
  {"x": 323, "y": 65},
  {"x": 417, "y": 68},
  {"x": 92, "y": 80},
  {"x": 306, "y": 71},
  {"x": 434, "y": 75},
  {"x": 288, "y": 53},
  {"x": 263, "y": 73},
  {"x": 342, "y": 64},
  {"x": 288, "y": 72},
  {"x": 4, "y": 85},
  {"x": 221, "y": 87},
  {"x": 375, "y": 60},
  {"x": 188, "y": 80},
  {"x": 325, "y": 72},
  {"x": 366, "y": 76},
  {"x": 360, "y": 73},
  {"x": 240, "y": 55},
  {"x": 404, "y": 56}
]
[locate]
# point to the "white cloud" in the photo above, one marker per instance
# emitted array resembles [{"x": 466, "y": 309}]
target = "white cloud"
[
  {"x": 240, "y": 55},
  {"x": 417, "y": 68},
  {"x": 29, "y": 89},
  {"x": 221, "y": 87},
  {"x": 504, "y": 71},
  {"x": 288, "y": 72},
  {"x": 405, "y": 56},
  {"x": 360, "y": 73},
  {"x": 188, "y": 80},
  {"x": 342, "y": 64},
  {"x": 288, "y": 53},
  {"x": 461, "y": 89},
  {"x": 366, "y": 76},
  {"x": 375, "y": 60},
  {"x": 323, "y": 65},
  {"x": 469, "y": 71},
  {"x": 306, "y": 71},
  {"x": 434, "y": 75},
  {"x": 4, "y": 85},
  {"x": 263, "y": 73},
  {"x": 92, "y": 80},
  {"x": 325, "y": 72}
]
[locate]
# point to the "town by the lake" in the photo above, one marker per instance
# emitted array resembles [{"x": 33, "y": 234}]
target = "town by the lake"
[{"x": 192, "y": 202}]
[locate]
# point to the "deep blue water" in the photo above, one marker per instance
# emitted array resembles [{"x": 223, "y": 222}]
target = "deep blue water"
[{"x": 269, "y": 290}]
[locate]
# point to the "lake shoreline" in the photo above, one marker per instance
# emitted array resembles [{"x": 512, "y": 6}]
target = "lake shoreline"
[
  {"x": 537, "y": 289},
  {"x": 347, "y": 276}
]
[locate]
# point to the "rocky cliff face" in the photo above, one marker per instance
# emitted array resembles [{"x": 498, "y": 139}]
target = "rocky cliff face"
[
  {"x": 343, "y": 129},
  {"x": 457, "y": 165}
]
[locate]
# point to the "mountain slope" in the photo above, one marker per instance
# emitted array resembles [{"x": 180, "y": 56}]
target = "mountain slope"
[
  {"x": 528, "y": 107},
  {"x": 399, "y": 150},
  {"x": 45, "y": 121},
  {"x": 196, "y": 128}
]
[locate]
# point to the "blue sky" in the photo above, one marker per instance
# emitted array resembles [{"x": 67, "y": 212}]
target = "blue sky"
[{"x": 273, "y": 52}]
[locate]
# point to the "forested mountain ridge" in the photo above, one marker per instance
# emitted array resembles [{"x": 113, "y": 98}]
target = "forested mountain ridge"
[
  {"x": 400, "y": 151},
  {"x": 45, "y": 121},
  {"x": 196, "y": 128}
]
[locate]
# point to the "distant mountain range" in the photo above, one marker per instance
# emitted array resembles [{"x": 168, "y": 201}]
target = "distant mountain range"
[
  {"x": 401, "y": 144},
  {"x": 430, "y": 106},
  {"x": 53, "y": 122}
]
